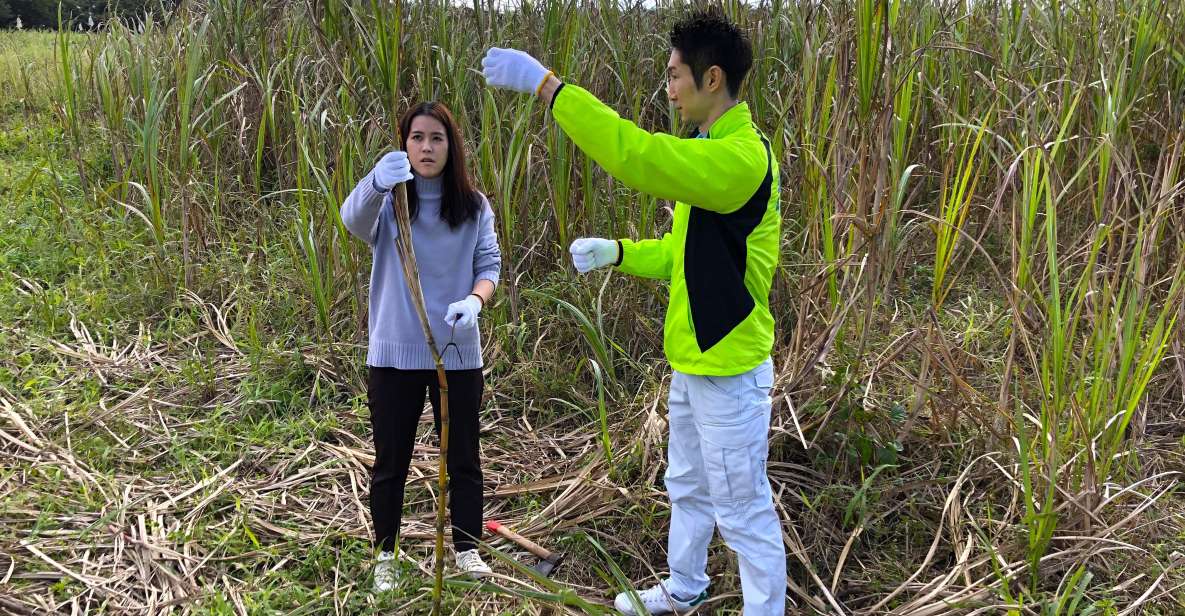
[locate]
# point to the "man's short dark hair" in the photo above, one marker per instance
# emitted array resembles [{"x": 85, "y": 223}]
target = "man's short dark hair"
[{"x": 707, "y": 38}]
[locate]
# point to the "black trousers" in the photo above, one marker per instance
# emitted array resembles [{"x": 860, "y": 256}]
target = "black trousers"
[{"x": 396, "y": 400}]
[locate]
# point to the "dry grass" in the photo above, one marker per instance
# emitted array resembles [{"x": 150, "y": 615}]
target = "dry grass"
[{"x": 147, "y": 533}]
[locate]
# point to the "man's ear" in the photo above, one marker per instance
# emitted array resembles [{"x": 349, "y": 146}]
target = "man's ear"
[{"x": 714, "y": 78}]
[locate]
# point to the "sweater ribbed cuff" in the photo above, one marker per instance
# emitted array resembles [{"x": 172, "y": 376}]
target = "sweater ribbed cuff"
[
  {"x": 490, "y": 275},
  {"x": 375, "y": 185}
]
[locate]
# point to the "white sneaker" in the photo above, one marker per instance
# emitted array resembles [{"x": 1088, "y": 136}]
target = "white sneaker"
[
  {"x": 657, "y": 600},
  {"x": 471, "y": 563},
  {"x": 385, "y": 571}
]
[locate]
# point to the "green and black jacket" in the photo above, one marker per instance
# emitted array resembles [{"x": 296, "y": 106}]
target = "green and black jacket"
[{"x": 721, "y": 253}]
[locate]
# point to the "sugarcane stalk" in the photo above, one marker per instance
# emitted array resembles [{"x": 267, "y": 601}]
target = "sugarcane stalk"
[{"x": 411, "y": 274}]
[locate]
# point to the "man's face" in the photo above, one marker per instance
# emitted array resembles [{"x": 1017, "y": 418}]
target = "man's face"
[{"x": 691, "y": 102}]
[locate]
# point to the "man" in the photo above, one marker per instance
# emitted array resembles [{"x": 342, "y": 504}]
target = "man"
[{"x": 720, "y": 258}]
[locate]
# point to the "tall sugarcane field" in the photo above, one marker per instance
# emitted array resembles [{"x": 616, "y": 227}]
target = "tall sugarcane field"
[{"x": 977, "y": 403}]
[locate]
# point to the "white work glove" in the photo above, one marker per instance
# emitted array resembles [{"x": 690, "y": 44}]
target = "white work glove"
[
  {"x": 513, "y": 69},
  {"x": 394, "y": 168},
  {"x": 589, "y": 253},
  {"x": 463, "y": 313}
]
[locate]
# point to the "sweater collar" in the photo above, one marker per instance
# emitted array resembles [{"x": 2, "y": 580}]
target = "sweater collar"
[{"x": 429, "y": 187}]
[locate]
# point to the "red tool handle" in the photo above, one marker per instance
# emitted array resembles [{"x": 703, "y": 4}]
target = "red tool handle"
[{"x": 530, "y": 546}]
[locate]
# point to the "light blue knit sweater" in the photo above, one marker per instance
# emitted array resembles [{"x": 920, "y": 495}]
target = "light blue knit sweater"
[{"x": 451, "y": 261}]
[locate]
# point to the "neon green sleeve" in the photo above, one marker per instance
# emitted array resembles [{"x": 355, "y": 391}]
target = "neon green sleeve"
[
  {"x": 647, "y": 258},
  {"x": 713, "y": 174}
]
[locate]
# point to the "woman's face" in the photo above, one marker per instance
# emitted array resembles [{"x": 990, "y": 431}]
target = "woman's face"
[{"x": 427, "y": 146}]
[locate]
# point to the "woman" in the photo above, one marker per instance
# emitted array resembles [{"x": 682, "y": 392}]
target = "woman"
[{"x": 452, "y": 232}]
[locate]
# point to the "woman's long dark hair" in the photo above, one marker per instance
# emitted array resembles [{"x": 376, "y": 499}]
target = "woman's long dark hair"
[{"x": 459, "y": 200}]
